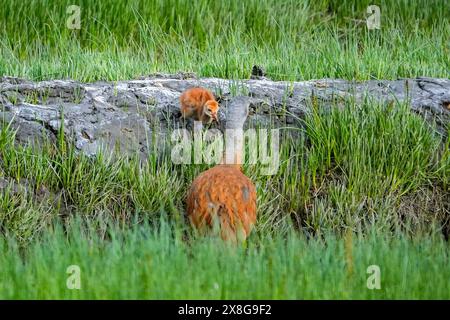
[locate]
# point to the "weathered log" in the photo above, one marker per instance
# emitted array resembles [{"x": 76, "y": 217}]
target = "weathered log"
[{"x": 129, "y": 114}]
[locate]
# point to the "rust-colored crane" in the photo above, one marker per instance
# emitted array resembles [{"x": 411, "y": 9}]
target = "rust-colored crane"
[{"x": 223, "y": 198}]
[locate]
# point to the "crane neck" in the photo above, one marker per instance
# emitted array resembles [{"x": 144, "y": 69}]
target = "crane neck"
[
  {"x": 237, "y": 112},
  {"x": 234, "y": 145}
]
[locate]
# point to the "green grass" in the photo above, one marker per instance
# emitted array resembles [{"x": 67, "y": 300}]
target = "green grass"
[
  {"x": 158, "y": 264},
  {"x": 293, "y": 40},
  {"x": 353, "y": 168},
  {"x": 362, "y": 185}
]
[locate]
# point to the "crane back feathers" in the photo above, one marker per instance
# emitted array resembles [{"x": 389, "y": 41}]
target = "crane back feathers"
[{"x": 224, "y": 197}]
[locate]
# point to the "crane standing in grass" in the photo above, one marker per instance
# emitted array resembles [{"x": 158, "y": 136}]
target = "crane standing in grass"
[{"x": 223, "y": 198}]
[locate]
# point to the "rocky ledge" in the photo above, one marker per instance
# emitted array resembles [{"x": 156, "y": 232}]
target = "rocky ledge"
[{"x": 130, "y": 114}]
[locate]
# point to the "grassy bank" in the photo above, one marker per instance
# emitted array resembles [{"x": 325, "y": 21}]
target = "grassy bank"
[
  {"x": 293, "y": 39},
  {"x": 359, "y": 186},
  {"x": 354, "y": 168}
]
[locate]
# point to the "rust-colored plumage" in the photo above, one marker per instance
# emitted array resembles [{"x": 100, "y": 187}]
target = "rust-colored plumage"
[
  {"x": 199, "y": 104},
  {"x": 223, "y": 197}
]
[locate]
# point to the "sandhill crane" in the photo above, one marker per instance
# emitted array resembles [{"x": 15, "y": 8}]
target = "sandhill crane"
[{"x": 223, "y": 197}]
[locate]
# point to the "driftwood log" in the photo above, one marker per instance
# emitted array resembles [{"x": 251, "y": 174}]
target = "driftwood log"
[{"x": 132, "y": 114}]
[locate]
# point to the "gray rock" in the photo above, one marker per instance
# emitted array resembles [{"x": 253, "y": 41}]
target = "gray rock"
[{"x": 131, "y": 116}]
